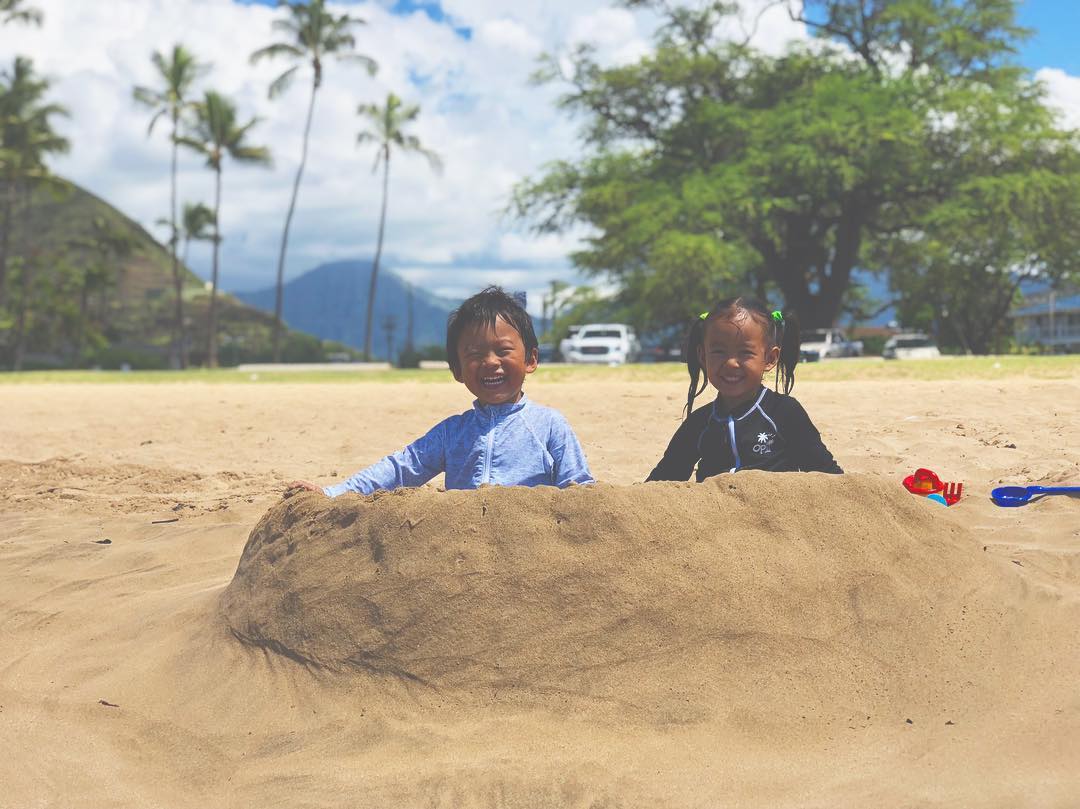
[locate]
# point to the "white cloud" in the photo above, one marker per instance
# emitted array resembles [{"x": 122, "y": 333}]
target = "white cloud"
[
  {"x": 1063, "y": 93},
  {"x": 613, "y": 32},
  {"x": 510, "y": 35}
]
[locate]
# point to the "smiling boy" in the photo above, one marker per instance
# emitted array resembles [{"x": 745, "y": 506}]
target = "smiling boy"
[{"x": 505, "y": 439}]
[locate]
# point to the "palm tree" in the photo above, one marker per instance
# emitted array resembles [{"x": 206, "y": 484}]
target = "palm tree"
[
  {"x": 26, "y": 138},
  {"x": 313, "y": 33},
  {"x": 196, "y": 221},
  {"x": 387, "y": 131},
  {"x": 178, "y": 72},
  {"x": 19, "y": 11},
  {"x": 216, "y": 134},
  {"x": 196, "y": 225}
]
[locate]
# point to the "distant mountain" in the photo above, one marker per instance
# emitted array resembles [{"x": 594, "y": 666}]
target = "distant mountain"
[{"x": 330, "y": 302}]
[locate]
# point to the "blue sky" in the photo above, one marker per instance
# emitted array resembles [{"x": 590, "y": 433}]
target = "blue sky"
[{"x": 1056, "y": 41}]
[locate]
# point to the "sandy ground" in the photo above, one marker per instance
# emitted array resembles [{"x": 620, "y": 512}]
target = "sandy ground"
[{"x": 937, "y": 665}]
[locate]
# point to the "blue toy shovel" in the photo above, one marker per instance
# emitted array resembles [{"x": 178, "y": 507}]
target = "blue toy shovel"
[{"x": 1012, "y": 496}]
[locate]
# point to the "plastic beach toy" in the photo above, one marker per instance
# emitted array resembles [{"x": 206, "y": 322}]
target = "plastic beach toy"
[
  {"x": 1012, "y": 496},
  {"x": 923, "y": 482},
  {"x": 926, "y": 483}
]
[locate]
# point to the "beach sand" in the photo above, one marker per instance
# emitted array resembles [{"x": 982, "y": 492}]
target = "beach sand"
[{"x": 759, "y": 640}]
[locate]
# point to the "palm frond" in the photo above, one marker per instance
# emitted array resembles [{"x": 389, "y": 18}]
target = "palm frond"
[
  {"x": 194, "y": 144},
  {"x": 282, "y": 82},
  {"x": 369, "y": 64},
  {"x": 286, "y": 25},
  {"x": 387, "y": 129},
  {"x": 259, "y": 155},
  {"x": 276, "y": 50},
  {"x": 31, "y": 16},
  {"x": 179, "y": 70},
  {"x": 157, "y": 58},
  {"x": 147, "y": 96},
  {"x": 153, "y": 121}
]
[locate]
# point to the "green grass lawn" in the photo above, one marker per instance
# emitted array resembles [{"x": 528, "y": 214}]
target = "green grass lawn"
[{"x": 1059, "y": 367}]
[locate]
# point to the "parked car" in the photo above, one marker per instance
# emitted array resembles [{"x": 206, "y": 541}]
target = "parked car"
[
  {"x": 817, "y": 344},
  {"x": 602, "y": 343},
  {"x": 661, "y": 352},
  {"x": 910, "y": 346},
  {"x": 564, "y": 343}
]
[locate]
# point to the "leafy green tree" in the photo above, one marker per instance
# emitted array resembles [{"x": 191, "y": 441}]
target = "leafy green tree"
[
  {"x": 178, "y": 71},
  {"x": 216, "y": 134},
  {"x": 967, "y": 257},
  {"x": 712, "y": 168},
  {"x": 387, "y": 131},
  {"x": 27, "y": 138},
  {"x": 584, "y": 305},
  {"x": 102, "y": 251},
  {"x": 19, "y": 11},
  {"x": 313, "y": 33}
]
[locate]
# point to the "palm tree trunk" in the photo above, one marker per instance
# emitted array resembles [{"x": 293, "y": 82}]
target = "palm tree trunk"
[
  {"x": 24, "y": 297},
  {"x": 179, "y": 338},
  {"x": 211, "y": 319},
  {"x": 279, "y": 298},
  {"x": 378, "y": 255},
  {"x": 5, "y": 236}
]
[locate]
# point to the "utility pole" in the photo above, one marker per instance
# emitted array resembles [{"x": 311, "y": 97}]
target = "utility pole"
[
  {"x": 409, "y": 323},
  {"x": 389, "y": 325}
]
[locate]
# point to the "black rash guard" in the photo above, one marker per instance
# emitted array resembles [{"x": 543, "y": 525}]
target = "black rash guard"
[{"x": 772, "y": 433}]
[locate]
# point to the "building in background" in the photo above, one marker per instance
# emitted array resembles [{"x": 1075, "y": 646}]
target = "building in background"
[{"x": 1049, "y": 319}]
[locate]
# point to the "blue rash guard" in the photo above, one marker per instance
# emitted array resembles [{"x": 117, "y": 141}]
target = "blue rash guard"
[{"x": 520, "y": 444}]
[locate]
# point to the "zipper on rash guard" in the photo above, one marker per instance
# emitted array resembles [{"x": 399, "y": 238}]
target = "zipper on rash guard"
[
  {"x": 734, "y": 446},
  {"x": 490, "y": 448}
]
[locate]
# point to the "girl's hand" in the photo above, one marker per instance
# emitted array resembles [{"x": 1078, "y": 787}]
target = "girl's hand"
[{"x": 302, "y": 485}]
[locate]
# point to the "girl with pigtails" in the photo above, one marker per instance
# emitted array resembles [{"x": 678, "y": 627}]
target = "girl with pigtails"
[{"x": 747, "y": 425}]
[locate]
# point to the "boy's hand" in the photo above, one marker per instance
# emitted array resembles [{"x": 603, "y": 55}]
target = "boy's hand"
[{"x": 301, "y": 485}]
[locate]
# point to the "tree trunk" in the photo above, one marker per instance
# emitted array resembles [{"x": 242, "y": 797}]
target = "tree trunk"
[
  {"x": 378, "y": 255},
  {"x": 804, "y": 259},
  {"x": 179, "y": 338},
  {"x": 5, "y": 236},
  {"x": 24, "y": 297},
  {"x": 279, "y": 298},
  {"x": 211, "y": 318},
  {"x": 80, "y": 329}
]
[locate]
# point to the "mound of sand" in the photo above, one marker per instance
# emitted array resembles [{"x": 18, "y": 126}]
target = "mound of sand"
[{"x": 775, "y": 592}]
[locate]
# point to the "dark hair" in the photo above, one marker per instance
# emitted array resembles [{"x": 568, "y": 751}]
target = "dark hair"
[
  {"x": 781, "y": 329},
  {"x": 484, "y": 308}
]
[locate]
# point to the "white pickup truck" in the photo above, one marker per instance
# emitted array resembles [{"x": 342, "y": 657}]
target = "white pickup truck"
[
  {"x": 817, "y": 344},
  {"x": 601, "y": 343}
]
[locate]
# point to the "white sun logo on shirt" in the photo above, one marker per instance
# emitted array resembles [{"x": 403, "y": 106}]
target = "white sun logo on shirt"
[{"x": 762, "y": 437}]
